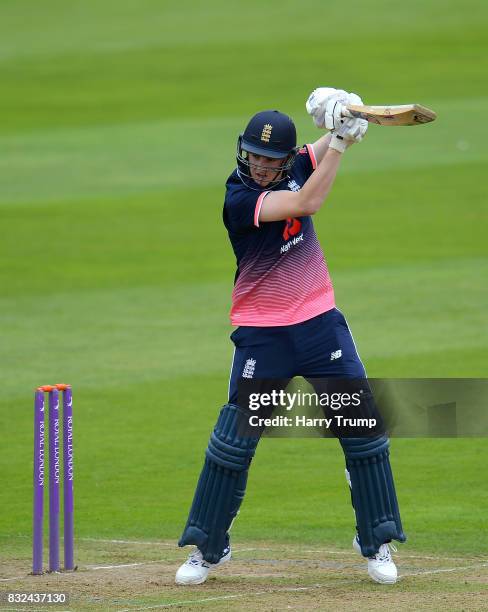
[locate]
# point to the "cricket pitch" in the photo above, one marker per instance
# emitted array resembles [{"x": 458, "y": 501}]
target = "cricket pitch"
[{"x": 139, "y": 575}]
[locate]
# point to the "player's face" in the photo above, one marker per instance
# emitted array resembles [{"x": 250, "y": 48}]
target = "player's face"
[{"x": 264, "y": 169}]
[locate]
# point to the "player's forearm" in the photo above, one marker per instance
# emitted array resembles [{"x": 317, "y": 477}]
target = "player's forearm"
[{"x": 315, "y": 191}]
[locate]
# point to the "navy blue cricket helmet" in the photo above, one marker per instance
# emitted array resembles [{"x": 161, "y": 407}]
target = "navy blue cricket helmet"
[{"x": 271, "y": 134}]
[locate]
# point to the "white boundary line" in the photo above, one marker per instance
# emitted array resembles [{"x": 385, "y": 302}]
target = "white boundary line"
[
  {"x": 444, "y": 569},
  {"x": 122, "y": 565},
  {"x": 136, "y": 542},
  {"x": 399, "y": 554},
  {"x": 285, "y": 561}
]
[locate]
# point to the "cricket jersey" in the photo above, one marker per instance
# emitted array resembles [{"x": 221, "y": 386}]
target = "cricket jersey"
[{"x": 282, "y": 277}]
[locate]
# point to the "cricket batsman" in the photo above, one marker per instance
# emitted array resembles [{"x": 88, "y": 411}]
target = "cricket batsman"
[{"x": 270, "y": 199}]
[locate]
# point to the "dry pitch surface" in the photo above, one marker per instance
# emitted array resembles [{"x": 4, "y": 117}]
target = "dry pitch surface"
[{"x": 138, "y": 575}]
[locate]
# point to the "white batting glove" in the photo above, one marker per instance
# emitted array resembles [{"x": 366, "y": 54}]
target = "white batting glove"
[
  {"x": 335, "y": 109},
  {"x": 350, "y": 131},
  {"x": 318, "y": 100},
  {"x": 355, "y": 131}
]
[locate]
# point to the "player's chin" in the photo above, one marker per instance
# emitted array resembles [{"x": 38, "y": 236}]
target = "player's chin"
[{"x": 262, "y": 181}]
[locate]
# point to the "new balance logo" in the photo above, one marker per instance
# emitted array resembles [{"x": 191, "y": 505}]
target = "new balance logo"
[
  {"x": 249, "y": 367},
  {"x": 336, "y": 355}
]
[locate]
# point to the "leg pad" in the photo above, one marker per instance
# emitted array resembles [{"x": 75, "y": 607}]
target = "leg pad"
[
  {"x": 373, "y": 492},
  {"x": 222, "y": 484}
]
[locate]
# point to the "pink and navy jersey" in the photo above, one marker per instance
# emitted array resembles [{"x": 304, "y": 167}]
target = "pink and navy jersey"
[{"x": 281, "y": 277}]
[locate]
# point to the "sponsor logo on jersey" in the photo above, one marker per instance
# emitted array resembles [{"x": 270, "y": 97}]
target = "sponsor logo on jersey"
[
  {"x": 336, "y": 354},
  {"x": 292, "y": 227},
  {"x": 293, "y": 185},
  {"x": 286, "y": 247}
]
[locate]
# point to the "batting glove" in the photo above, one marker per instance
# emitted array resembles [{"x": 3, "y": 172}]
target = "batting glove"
[
  {"x": 335, "y": 110},
  {"x": 318, "y": 100},
  {"x": 350, "y": 131},
  {"x": 353, "y": 131}
]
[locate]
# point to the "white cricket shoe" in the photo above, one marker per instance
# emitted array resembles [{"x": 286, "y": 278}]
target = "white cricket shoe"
[
  {"x": 381, "y": 566},
  {"x": 195, "y": 569}
]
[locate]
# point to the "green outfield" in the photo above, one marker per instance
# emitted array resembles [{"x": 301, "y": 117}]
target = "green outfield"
[{"x": 118, "y": 129}]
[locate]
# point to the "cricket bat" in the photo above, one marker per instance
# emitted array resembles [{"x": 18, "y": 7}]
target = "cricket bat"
[{"x": 401, "y": 114}]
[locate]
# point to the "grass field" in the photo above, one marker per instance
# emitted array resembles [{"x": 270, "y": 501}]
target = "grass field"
[{"x": 118, "y": 130}]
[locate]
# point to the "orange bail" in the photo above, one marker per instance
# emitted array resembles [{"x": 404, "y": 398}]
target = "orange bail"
[
  {"x": 49, "y": 388},
  {"x": 62, "y": 386}
]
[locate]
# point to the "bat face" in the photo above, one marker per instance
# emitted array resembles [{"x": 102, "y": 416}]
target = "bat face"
[{"x": 403, "y": 114}]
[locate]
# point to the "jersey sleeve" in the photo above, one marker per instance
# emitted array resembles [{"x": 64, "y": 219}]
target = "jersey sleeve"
[
  {"x": 241, "y": 208},
  {"x": 305, "y": 161}
]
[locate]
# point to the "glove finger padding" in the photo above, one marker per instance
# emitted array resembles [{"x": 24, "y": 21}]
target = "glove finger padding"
[
  {"x": 334, "y": 114},
  {"x": 345, "y": 127},
  {"x": 360, "y": 130},
  {"x": 352, "y": 130},
  {"x": 354, "y": 99},
  {"x": 318, "y": 100}
]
